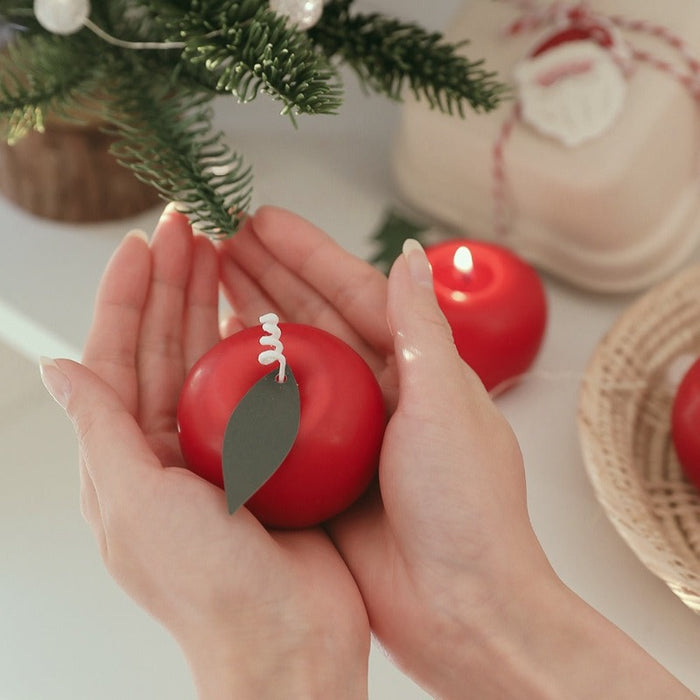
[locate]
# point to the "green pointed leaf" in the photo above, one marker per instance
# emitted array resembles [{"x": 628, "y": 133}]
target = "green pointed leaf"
[{"x": 258, "y": 436}]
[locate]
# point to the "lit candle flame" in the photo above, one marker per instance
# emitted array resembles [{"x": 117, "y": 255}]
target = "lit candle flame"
[{"x": 463, "y": 260}]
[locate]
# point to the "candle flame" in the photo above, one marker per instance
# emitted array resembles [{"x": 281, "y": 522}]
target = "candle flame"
[{"x": 463, "y": 260}]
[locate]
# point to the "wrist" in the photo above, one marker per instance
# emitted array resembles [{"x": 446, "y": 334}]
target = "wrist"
[
  {"x": 258, "y": 671},
  {"x": 541, "y": 642}
]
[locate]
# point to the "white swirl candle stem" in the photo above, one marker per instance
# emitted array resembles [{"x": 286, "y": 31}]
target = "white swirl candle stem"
[{"x": 270, "y": 325}]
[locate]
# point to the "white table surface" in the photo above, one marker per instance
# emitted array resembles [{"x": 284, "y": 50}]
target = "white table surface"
[{"x": 335, "y": 171}]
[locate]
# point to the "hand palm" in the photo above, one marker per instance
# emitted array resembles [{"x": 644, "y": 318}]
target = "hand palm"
[{"x": 169, "y": 538}]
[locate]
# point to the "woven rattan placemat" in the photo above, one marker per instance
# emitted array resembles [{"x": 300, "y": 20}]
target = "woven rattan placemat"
[{"x": 624, "y": 427}]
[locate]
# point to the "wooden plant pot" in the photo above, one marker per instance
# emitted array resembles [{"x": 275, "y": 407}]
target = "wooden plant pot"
[{"x": 67, "y": 174}]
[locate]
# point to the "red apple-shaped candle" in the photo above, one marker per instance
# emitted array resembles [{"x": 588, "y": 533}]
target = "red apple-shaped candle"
[
  {"x": 495, "y": 304},
  {"x": 334, "y": 453},
  {"x": 685, "y": 423}
]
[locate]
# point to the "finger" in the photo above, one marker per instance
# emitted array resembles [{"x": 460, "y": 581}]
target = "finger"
[
  {"x": 296, "y": 300},
  {"x": 161, "y": 365},
  {"x": 90, "y": 508},
  {"x": 431, "y": 373},
  {"x": 351, "y": 285},
  {"x": 279, "y": 272},
  {"x": 110, "y": 350},
  {"x": 113, "y": 449},
  {"x": 289, "y": 296},
  {"x": 201, "y": 330},
  {"x": 271, "y": 278},
  {"x": 456, "y": 432},
  {"x": 245, "y": 295}
]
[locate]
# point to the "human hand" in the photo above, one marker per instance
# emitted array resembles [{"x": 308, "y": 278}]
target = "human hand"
[
  {"x": 442, "y": 471},
  {"x": 447, "y": 557},
  {"x": 456, "y": 585},
  {"x": 458, "y": 543},
  {"x": 401, "y": 547},
  {"x": 258, "y": 614}
]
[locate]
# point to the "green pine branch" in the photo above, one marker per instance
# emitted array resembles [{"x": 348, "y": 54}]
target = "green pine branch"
[
  {"x": 166, "y": 138},
  {"x": 244, "y": 48},
  {"x": 158, "y": 101},
  {"x": 389, "y": 238},
  {"x": 388, "y": 55},
  {"x": 38, "y": 76}
]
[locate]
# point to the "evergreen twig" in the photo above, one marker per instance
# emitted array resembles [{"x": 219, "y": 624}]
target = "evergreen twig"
[
  {"x": 32, "y": 86},
  {"x": 166, "y": 139},
  {"x": 388, "y": 54},
  {"x": 244, "y": 48},
  {"x": 389, "y": 238}
]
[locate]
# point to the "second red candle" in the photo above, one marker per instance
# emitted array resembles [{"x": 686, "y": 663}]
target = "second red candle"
[{"x": 495, "y": 304}]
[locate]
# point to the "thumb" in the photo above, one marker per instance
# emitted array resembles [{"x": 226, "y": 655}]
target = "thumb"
[
  {"x": 430, "y": 368},
  {"x": 112, "y": 446}
]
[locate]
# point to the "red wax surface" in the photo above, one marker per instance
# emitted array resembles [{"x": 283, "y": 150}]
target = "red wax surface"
[
  {"x": 342, "y": 422},
  {"x": 685, "y": 423},
  {"x": 498, "y": 312}
]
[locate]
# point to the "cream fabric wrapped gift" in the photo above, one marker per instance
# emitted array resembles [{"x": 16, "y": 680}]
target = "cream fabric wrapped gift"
[{"x": 599, "y": 173}]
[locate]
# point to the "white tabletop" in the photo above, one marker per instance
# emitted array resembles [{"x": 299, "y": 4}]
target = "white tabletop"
[{"x": 335, "y": 171}]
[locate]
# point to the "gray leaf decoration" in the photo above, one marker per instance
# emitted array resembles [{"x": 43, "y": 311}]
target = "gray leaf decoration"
[{"x": 259, "y": 435}]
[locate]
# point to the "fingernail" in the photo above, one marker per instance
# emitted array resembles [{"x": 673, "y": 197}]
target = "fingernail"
[
  {"x": 171, "y": 208},
  {"x": 137, "y": 233},
  {"x": 55, "y": 381},
  {"x": 418, "y": 265}
]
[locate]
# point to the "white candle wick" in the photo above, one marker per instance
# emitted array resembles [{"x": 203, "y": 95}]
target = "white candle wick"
[{"x": 275, "y": 353}]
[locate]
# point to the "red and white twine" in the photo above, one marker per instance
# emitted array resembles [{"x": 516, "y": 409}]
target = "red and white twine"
[{"x": 535, "y": 16}]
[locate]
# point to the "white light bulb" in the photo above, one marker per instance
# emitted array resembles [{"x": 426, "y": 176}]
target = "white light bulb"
[
  {"x": 62, "y": 16},
  {"x": 304, "y": 14}
]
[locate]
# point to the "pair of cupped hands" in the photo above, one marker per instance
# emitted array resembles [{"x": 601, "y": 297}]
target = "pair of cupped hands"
[{"x": 438, "y": 559}]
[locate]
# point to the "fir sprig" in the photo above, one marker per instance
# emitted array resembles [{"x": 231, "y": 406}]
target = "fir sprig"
[
  {"x": 31, "y": 87},
  {"x": 388, "y": 54},
  {"x": 244, "y": 48},
  {"x": 166, "y": 138},
  {"x": 390, "y": 235}
]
